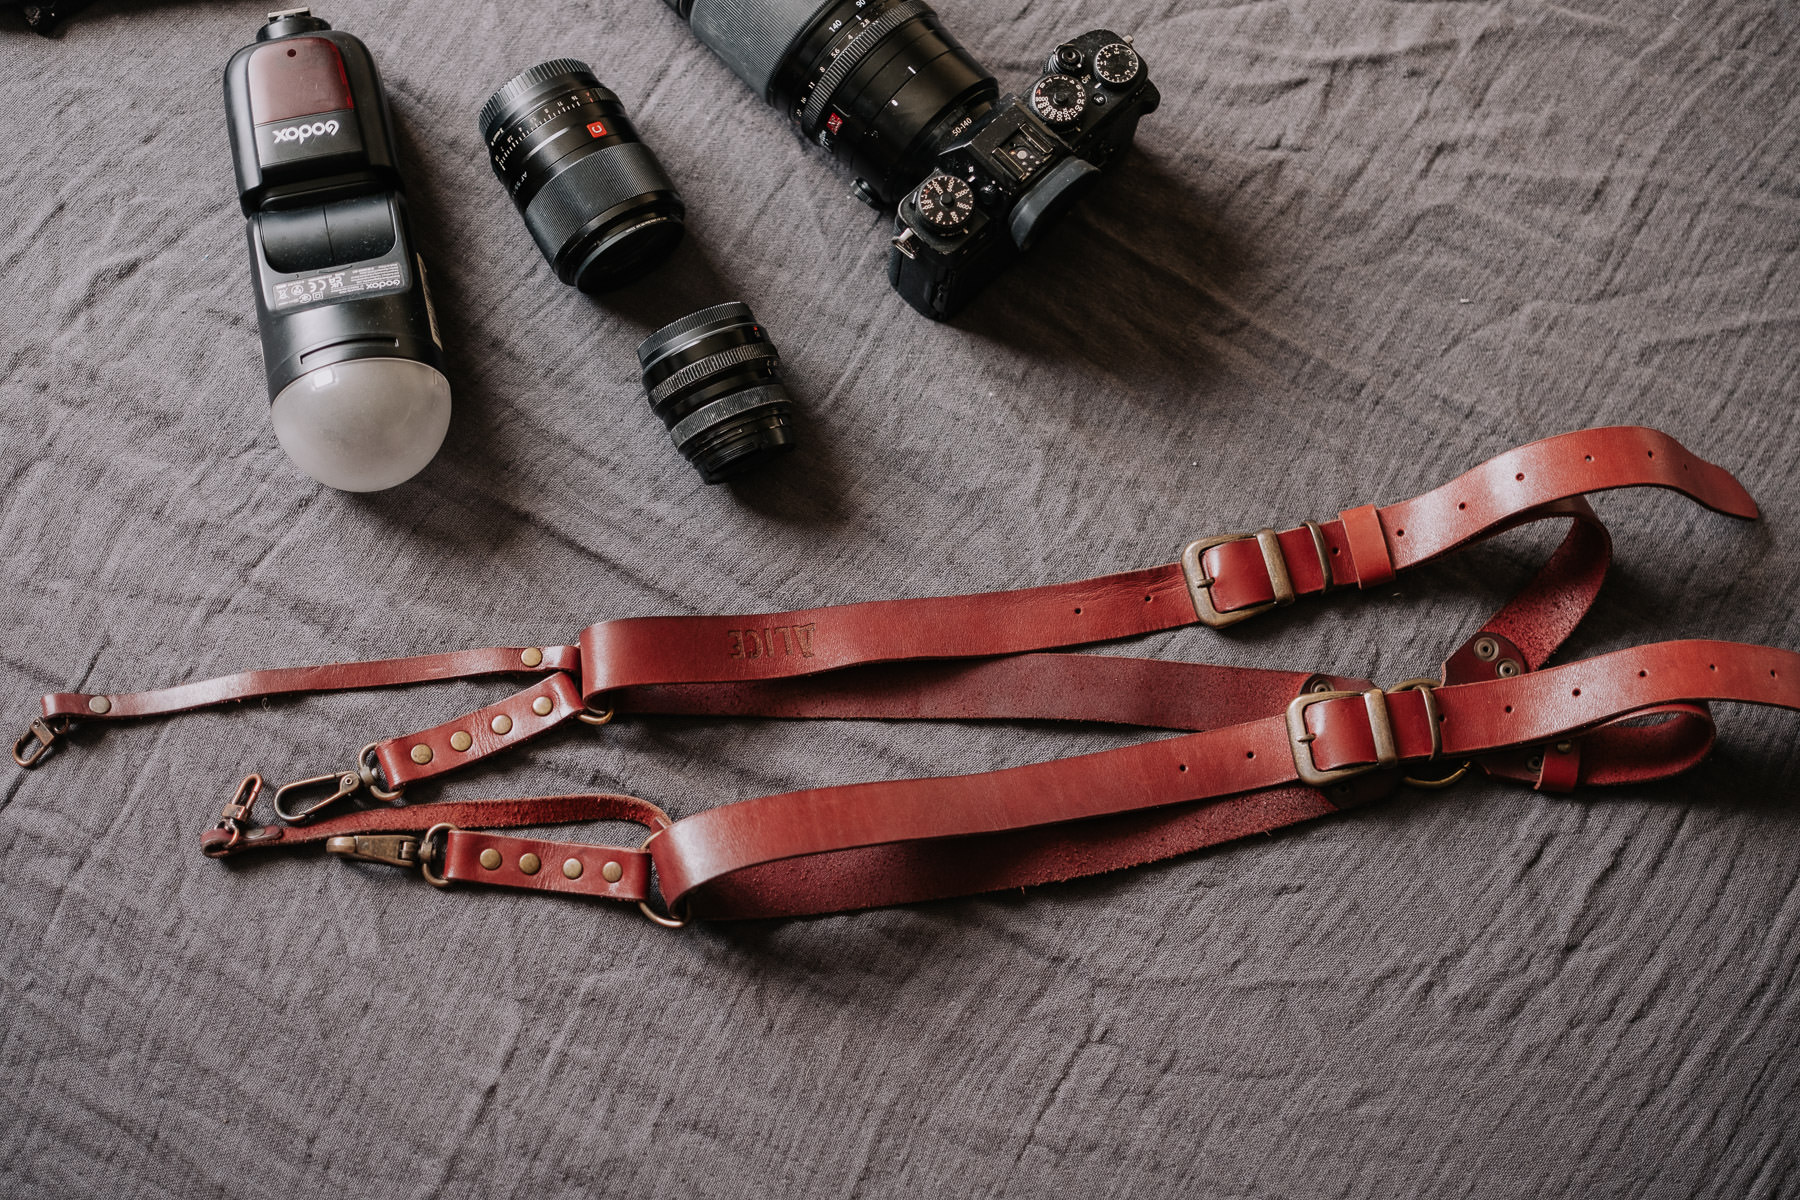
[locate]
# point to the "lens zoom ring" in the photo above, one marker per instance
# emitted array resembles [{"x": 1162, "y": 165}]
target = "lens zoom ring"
[
  {"x": 712, "y": 364},
  {"x": 852, "y": 56},
  {"x": 523, "y": 84},
  {"x": 773, "y": 397},
  {"x": 605, "y": 178},
  {"x": 753, "y": 36}
]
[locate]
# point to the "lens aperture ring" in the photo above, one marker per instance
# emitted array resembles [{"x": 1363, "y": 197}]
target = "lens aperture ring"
[
  {"x": 694, "y": 373},
  {"x": 771, "y": 398},
  {"x": 860, "y": 46}
]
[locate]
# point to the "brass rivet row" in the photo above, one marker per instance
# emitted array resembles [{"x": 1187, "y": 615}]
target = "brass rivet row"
[
  {"x": 612, "y": 872},
  {"x": 490, "y": 858},
  {"x": 529, "y": 863},
  {"x": 421, "y": 754},
  {"x": 501, "y": 725},
  {"x": 542, "y": 706},
  {"x": 460, "y": 741},
  {"x": 572, "y": 868}
]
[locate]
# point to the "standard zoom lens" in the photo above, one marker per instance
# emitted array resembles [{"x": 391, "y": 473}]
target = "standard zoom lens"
[
  {"x": 598, "y": 203},
  {"x": 879, "y": 83},
  {"x": 715, "y": 380}
]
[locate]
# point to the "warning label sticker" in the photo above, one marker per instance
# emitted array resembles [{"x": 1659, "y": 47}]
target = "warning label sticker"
[{"x": 335, "y": 285}]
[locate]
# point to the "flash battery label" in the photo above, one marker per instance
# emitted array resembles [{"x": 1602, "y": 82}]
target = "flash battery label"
[{"x": 334, "y": 285}]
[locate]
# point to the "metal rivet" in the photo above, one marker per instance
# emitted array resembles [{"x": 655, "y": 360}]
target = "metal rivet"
[
  {"x": 460, "y": 741},
  {"x": 1535, "y": 763},
  {"x": 532, "y": 657},
  {"x": 100, "y": 704},
  {"x": 1564, "y": 747},
  {"x": 501, "y": 725},
  {"x": 612, "y": 872},
  {"x": 572, "y": 868},
  {"x": 1508, "y": 668},
  {"x": 1487, "y": 649},
  {"x": 529, "y": 864},
  {"x": 542, "y": 706},
  {"x": 490, "y": 858},
  {"x": 421, "y": 754}
]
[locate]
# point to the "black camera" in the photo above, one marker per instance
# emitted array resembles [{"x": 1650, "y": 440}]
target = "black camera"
[
  {"x": 887, "y": 91},
  {"x": 1003, "y": 182}
]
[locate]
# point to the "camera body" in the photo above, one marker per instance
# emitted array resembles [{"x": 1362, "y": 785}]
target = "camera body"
[{"x": 1010, "y": 174}]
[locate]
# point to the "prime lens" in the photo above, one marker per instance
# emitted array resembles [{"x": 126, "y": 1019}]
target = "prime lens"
[
  {"x": 599, "y": 205},
  {"x": 714, "y": 378},
  {"x": 878, "y": 83}
]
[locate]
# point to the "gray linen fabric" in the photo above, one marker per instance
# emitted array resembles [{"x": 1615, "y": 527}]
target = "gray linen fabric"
[{"x": 1363, "y": 246}]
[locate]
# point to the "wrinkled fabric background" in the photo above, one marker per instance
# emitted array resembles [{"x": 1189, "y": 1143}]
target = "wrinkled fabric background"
[{"x": 1364, "y": 245}]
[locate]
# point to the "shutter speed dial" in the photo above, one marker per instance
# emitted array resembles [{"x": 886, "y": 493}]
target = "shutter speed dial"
[
  {"x": 946, "y": 203},
  {"x": 1117, "y": 64},
  {"x": 1059, "y": 99}
]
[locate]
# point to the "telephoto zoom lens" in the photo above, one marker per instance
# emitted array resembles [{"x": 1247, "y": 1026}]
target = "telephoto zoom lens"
[
  {"x": 880, "y": 84},
  {"x": 598, "y": 203},
  {"x": 715, "y": 380}
]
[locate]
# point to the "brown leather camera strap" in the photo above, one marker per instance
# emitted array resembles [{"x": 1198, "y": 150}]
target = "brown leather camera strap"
[{"x": 1262, "y": 748}]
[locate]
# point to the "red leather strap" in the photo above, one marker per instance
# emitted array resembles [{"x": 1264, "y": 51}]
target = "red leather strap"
[
  {"x": 857, "y": 830},
  {"x": 486, "y": 732},
  {"x": 532, "y": 864},
  {"x": 1536, "y": 482},
  {"x": 338, "y": 677}
]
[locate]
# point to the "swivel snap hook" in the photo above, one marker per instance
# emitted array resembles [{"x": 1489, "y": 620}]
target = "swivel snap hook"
[
  {"x": 343, "y": 784},
  {"x": 38, "y": 740}
]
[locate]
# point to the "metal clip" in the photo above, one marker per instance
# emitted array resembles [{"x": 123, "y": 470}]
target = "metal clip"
[
  {"x": 44, "y": 734},
  {"x": 394, "y": 849},
  {"x": 345, "y": 785},
  {"x": 237, "y": 812}
]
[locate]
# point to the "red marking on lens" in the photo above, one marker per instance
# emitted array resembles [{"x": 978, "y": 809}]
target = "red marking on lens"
[
  {"x": 834, "y": 122},
  {"x": 597, "y": 129}
]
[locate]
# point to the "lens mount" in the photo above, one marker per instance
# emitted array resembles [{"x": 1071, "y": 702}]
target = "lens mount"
[
  {"x": 597, "y": 202},
  {"x": 714, "y": 378}
]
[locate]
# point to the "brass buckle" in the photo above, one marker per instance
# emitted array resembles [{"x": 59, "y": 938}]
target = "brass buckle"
[
  {"x": 45, "y": 735},
  {"x": 1427, "y": 688},
  {"x": 1193, "y": 565},
  {"x": 1300, "y": 738}
]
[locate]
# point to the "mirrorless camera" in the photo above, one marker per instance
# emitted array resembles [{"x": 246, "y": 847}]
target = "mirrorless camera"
[{"x": 973, "y": 177}]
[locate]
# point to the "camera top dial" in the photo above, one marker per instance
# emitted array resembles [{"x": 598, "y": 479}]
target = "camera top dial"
[
  {"x": 1059, "y": 99},
  {"x": 946, "y": 202},
  {"x": 1117, "y": 64}
]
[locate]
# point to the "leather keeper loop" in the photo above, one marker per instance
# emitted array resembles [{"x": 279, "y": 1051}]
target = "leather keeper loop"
[{"x": 1369, "y": 554}]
